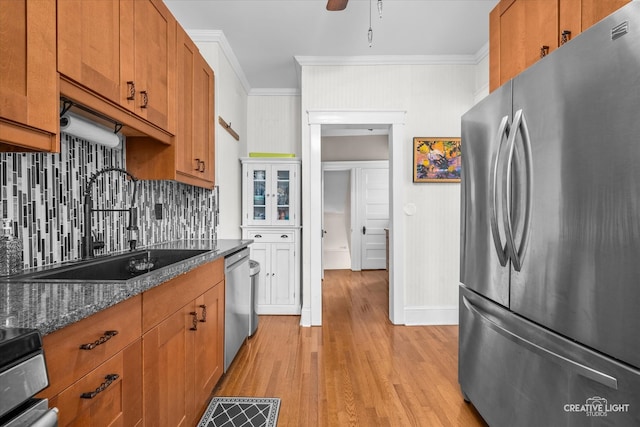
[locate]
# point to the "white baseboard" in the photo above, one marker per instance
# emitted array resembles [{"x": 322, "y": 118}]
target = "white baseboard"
[{"x": 431, "y": 315}]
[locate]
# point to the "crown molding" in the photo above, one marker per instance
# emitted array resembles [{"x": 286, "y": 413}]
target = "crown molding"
[
  {"x": 218, "y": 36},
  {"x": 482, "y": 53}
]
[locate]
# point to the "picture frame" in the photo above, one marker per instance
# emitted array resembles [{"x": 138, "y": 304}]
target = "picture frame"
[{"x": 436, "y": 159}]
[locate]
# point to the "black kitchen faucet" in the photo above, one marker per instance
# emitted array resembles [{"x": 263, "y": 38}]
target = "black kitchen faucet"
[{"x": 89, "y": 240}]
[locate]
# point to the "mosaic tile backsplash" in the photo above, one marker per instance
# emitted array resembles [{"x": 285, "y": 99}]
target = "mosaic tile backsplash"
[{"x": 43, "y": 193}]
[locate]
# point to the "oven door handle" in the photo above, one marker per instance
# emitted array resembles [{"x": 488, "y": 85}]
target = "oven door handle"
[{"x": 48, "y": 419}]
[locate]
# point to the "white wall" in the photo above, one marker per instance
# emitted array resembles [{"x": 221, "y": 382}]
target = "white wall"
[
  {"x": 434, "y": 98},
  {"x": 274, "y": 125},
  {"x": 231, "y": 105}
]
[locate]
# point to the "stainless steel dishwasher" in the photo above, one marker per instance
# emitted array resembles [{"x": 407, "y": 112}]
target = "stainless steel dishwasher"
[{"x": 237, "y": 303}]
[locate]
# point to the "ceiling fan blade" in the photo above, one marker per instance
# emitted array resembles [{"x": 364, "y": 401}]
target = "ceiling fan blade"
[{"x": 335, "y": 5}]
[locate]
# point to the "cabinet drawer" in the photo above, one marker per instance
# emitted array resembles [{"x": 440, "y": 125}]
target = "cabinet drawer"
[
  {"x": 67, "y": 361},
  {"x": 271, "y": 237},
  {"x": 109, "y": 395},
  {"x": 164, "y": 300}
]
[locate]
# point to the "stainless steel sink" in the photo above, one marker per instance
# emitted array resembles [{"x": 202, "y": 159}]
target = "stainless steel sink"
[{"x": 113, "y": 268}]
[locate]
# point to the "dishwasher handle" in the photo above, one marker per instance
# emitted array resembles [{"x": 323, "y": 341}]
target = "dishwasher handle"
[{"x": 230, "y": 261}]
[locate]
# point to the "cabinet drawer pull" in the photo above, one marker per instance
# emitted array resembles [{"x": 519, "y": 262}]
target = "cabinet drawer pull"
[
  {"x": 131, "y": 89},
  {"x": 204, "y": 313},
  {"x": 194, "y": 321},
  {"x": 145, "y": 98},
  {"x": 108, "y": 380},
  {"x": 103, "y": 339},
  {"x": 284, "y": 236},
  {"x": 258, "y": 236}
]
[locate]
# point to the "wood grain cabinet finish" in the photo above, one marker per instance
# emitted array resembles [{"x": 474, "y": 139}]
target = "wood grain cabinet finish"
[
  {"x": 152, "y": 359},
  {"x": 523, "y": 31},
  {"x": 101, "y": 350},
  {"x": 29, "y": 89},
  {"x": 117, "y": 57},
  {"x": 191, "y": 158},
  {"x": 182, "y": 344}
]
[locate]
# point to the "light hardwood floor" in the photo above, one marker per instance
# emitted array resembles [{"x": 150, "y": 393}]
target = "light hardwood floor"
[{"x": 357, "y": 369}]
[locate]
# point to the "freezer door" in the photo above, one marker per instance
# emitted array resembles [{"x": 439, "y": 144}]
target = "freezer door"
[
  {"x": 518, "y": 374},
  {"x": 484, "y": 266},
  {"x": 580, "y": 274}
]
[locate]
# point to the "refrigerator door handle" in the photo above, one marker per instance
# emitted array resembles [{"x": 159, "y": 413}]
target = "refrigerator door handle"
[
  {"x": 501, "y": 250},
  {"x": 579, "y": 368},
  {"x": 519, "y": 127}
]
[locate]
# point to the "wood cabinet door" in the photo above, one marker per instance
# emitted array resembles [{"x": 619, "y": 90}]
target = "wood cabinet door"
[
  {"x": 89, "y": 44},
  {"x": 29, "y": 94},
  {"x": 154, "y": 60},
  {"x": 540, "y": 30},
  {"x": 209, "y": 344},
  {"x": 168, "y": 371},
  {"x": 203, "y": 118},
  {"x": 595, "y": 10},
  {"x": 185, "y": 157},
  {"x": 194, "y": 137}
]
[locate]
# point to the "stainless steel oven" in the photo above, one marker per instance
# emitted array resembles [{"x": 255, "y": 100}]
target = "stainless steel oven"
[{"x": 23, "y": 374}]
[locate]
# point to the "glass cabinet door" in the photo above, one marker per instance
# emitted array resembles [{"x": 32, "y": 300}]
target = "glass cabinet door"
[
  {"x": 259, "y": 179},
  {"x": 282, "y": 200}
]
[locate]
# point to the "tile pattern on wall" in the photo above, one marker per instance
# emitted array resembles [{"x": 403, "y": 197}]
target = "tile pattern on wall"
[{"x": 44, "y": 194}]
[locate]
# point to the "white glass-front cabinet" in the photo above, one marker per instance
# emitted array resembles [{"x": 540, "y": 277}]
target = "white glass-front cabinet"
[
  {"x": 271, "y": 194},
  {"x": 271, "y": 218}
]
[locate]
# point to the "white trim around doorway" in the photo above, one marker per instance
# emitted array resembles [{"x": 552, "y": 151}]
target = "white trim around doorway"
[{"x": 312, "y": 202}]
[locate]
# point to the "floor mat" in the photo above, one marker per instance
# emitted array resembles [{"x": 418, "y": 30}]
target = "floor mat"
[{"x": 241, "y": 412}]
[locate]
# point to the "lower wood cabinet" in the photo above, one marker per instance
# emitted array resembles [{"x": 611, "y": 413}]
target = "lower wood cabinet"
[
  {"x": 183, "y": 346},
  {"x": 151, "y": 360}
]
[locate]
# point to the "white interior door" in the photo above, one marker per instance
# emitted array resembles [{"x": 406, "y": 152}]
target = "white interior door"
[{"x": 373, "y": 211}]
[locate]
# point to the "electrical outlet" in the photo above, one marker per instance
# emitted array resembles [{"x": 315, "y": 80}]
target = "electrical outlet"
[{"x": 158, "y": 210}]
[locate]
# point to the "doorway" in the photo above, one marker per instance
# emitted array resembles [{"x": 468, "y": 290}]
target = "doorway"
[
  {"x": 355, "y": 212},
  {"x": 312, "y": 206}
]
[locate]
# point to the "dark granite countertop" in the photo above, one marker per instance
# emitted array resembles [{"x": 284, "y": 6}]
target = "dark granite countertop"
[{"x": 49, "y": 306}]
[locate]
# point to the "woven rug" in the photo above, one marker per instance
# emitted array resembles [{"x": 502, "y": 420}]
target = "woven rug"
[{"x": 241, "y": 412}]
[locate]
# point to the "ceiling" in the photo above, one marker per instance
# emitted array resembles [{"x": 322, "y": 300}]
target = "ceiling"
[{"x": 269, "y": 38}]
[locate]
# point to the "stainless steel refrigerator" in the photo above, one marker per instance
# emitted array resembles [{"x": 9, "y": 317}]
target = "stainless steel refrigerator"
[{"x": 550, "y": 237}]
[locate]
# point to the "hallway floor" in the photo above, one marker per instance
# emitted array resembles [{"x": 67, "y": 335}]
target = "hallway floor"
[{"x": 357, "y": 369}]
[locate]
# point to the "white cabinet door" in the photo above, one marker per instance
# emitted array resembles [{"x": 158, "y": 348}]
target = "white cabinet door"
[
  {"x": 261, "y": 252},
  {"x": 271, "y": 194},
  {"x": 283, "y": 291}
]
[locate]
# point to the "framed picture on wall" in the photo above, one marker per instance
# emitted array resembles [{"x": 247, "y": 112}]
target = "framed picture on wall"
[{"x": 436, "y": 159}]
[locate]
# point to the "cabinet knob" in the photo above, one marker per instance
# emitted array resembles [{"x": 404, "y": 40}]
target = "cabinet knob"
[
  {"x": 131, "y": 90},
  {"x": 544, "y": 51},
  {"x": 145, "y": 98}
]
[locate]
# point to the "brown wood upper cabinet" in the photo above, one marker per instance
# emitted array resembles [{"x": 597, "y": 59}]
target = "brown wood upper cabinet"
[
  {"x": 122, "y": 51},
  {"x": 191, "y": 157},
  {"x": 29, "y": 83},
  {"x": 523, "y": 31}
]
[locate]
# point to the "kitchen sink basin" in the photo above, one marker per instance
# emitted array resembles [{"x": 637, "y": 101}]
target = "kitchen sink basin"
[{"x": 114, "y": 268}]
